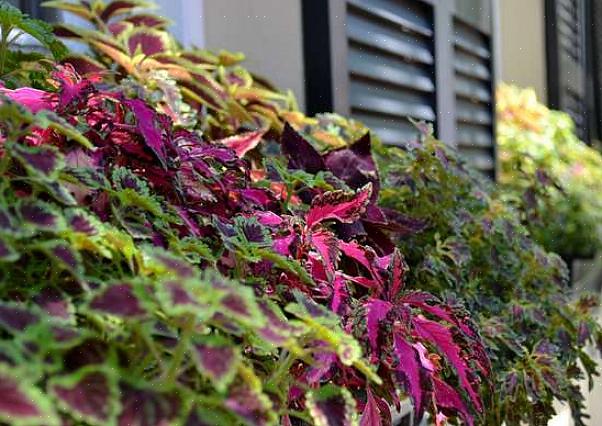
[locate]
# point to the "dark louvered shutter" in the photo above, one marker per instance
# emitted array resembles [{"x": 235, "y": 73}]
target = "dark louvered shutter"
[
  {"x": 474, "y": 95},
  {"x": 567, "y": 60},
  {"x": 384, "y": 61},
  {"x": 391, "y": 65}
]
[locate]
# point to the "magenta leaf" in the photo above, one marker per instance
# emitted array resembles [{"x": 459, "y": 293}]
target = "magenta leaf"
[
  {"x": 447, "y": 397},
  {"x": 410, "y": 372},
  {"x": 242, "y": 143},
  {"x": 33, "y": 99},
  {"x": 442, "y": 338},
  {"x": 119, "y": 300},
  {"x": 325, "y": 243},
  {"x": 338, "y": 205},
  {"x": 396, "y": 269},
  {"x": 217, "y": 359},
  {"x": 371, "y": 415},
  {"x": 146, "y": 121},
  {"x": 88, "y": 395},
  {"x": 376, "y": 311}
]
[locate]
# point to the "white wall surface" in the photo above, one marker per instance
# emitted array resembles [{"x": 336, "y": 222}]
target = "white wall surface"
[
  {"x": 187, "y": 17},
  {"x": 523, "y": 44},
  {"x": 269, "y": 32}
]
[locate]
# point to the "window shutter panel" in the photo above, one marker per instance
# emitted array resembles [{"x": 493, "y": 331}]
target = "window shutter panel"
[
  {"x": 391, "y": 65},
  {"x": 474, "y": 95},
  {"x": 567, "y": 60}
]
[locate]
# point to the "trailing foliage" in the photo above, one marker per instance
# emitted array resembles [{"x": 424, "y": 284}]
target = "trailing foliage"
[
  {"x": 170, "y": 258},
  {"x": 550, "y": 174},
  {"x": 462, "y": 242}
]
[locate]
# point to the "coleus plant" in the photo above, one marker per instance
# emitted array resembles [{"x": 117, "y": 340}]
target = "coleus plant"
[
  {"x": 468, "y": 244},
  {"x": 126, "y": 223},
  {"x": 193, "y": 86}
]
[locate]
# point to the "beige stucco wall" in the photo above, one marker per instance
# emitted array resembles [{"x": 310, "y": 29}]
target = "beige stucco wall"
[
  {"x": 267, "y": 31},
  {"x": 522, "y": 43}
]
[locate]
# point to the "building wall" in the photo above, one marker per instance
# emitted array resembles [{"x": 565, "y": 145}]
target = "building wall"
[
  {"x": 523, "y": 44},
  {"x": 267, "y": 31}
]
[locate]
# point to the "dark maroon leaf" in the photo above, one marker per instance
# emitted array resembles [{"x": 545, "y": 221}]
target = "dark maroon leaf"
[
  {"x": 53, "y": 302},
  {"x": 39, "y": 214},
  {"x": 118, "y": 7},
  {"x": 42, "y": 160},
  {"x": 248, "y": 404},
  {"x": 118, "y": 299},
  {"x": 16, "y": 318},
  {"x": 142, "y": 407},
  {"x": 88, "y": 395},
  {"x": 300, "y": 153},
  {"x": 18, "y": 406},
  {"x": 218, "y": 360},
  {"x": 332, "y": 406},
  {"x": 148, "y": 41}
]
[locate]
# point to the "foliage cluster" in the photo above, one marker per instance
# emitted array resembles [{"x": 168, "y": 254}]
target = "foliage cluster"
[
  {"x": 178, "y": 245},
  {"x": 554, "y": 178}
]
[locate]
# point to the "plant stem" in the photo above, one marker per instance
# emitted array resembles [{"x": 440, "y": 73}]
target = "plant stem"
[{"x": 180, "y": 351}]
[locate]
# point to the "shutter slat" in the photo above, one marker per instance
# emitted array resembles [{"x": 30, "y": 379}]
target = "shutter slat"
[
  {"x": 474, "y": 97},
  {"x": 390, "y": 70},
  {"x": 391, "y": 66},
  {"x": 389, "y": 40},
  {"x": 386, "y": 100},
  {"x": 383, "y": 10}
]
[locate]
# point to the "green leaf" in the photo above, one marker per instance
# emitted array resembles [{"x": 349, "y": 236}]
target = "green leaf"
[{"x": 22, "y": 403}]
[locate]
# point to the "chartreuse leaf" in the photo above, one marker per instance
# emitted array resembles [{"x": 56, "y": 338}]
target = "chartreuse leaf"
[
  {"x": 79, "y": 9},
  {"x": 89, "y": 395},
  {"x": 216, "y": 358},
  {"x": 332, "y": 406},
  {"x": 22, "y": 403},
  {"x": 326, "y": 326}
]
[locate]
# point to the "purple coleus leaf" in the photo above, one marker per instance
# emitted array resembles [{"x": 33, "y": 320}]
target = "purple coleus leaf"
[
  {"x": 331, "y": 406},
  {"x": 119, "y": 300},
  {"x": 7, "y": 251},
  {"x": 242, "y": 143},
  {"x": 355, "y": 165},
  {"x": 39, "y": 214},
  {"x": 441, "y": 336},
  {"x": 21, "y": 402},
  {"x": 409, "y": 370},
  {"x": 372, "y": 414},
  {"x": 147, "y": 41},
  {"x": 217, "y": 359},
  {"x": 87, "y": 395},
  {"x": 338, "y": 205},
  {"x": 147, "y": 123},
  {"x": 146, "y": 407},
  {"x": 43, "y": 161},
  {"x": 118, "y": 7},
  {"x": 247, "y": 403},
  {"x": 16, "y": 318},
  {"x": 300, "y": 153}
]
